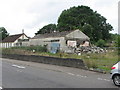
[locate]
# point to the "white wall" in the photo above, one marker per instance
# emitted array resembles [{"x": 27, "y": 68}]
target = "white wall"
[{"x": 6, "y": 45}]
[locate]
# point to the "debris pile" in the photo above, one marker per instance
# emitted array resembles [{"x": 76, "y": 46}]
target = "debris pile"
[{"x": 89, "y": 50}]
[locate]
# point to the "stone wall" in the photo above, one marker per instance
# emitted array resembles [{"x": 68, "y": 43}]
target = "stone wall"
[{"x": 77, "y": 63}]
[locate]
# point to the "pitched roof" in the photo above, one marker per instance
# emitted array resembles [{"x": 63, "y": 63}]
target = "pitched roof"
[
  {"x": 54, "y": 34},
  {"x": 57, "y": 34},
  {"x": 11, "y": 38},
  {"x": 77, "y": 34}
]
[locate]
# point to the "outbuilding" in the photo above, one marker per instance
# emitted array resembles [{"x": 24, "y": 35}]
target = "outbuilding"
[{"x": 61, "y": 41}]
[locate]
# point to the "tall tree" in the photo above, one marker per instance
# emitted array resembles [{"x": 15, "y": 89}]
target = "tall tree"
[
  {"x": 47, "y": 29},
  {"x": 84, "y": 18},
  {"x": 3, "y": 33}
]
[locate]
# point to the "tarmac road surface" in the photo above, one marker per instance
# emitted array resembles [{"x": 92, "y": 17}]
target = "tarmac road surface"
[{"x": 22, "y": 74}]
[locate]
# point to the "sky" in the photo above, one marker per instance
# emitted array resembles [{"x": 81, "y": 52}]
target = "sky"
[{"x": 31, "y": 15}]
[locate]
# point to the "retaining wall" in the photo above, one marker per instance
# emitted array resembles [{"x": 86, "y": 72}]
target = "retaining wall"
[{"x": 77, "y": 63}]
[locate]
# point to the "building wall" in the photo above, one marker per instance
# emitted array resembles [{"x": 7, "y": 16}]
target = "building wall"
[
  {"x": 21, "y": 37},
  {"x": 7, "y": 45},
  {"x": 48, "y": 41},
  {"x": 63, "y": 41},
  {"x": 26, "y": 43}
]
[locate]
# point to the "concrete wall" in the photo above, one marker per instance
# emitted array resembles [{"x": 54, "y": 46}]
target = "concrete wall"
[
  {"x": 77, "y": 63},
  {"x": 26, "y": 43},
  {"x": 47, "y": 41}
]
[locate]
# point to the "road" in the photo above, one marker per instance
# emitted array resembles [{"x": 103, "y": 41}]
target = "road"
[{"x": 21, "y": 74}]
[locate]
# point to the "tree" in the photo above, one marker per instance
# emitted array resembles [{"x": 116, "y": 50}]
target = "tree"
[
  {"x": 88, "y": 21},
  {"x": 3, "y": 33},
  {"x": 88, "y": 30},
  {"x": 47, "y": 29}
]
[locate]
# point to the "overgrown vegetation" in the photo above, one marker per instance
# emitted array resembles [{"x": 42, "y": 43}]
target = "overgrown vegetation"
[
  {"x": 24, "y": 50},
  {"x": 32, "y": 48},
  {"x": 101, "y": 43}
]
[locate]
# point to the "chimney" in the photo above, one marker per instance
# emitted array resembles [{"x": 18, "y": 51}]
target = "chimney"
[{"x": 22, "y": 31}]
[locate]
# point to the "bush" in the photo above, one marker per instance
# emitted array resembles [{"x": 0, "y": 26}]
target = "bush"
[
  {"x": 101, "y": 43},
  {"x": 31, "y": 48},
  {"x": 118, "y": 43}
]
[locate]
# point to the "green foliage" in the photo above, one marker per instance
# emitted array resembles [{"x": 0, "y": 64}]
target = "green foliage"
[
  {"x": 3, "y": 33},
  {"x": 47, "y": 29},
  {"x": 88, "y": 30},
  {"x": 115, "y": 38},
  {"x": 101, "y": 43},
  {"x": 118, "y": 43},
  {"x": 82, "y": 17},
  {"x": 31, "y": 48}
]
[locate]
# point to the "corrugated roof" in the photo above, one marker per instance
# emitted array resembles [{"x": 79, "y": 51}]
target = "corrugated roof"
[
  {"x": 54, "y": 34},
  {"x": 58, "y": 34},
  {"x": 11, "y": 38}
]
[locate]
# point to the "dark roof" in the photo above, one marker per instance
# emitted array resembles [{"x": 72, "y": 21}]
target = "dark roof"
[
  {"x": 59, "y": 34},
  {"x": 11, "y": 38},
  {"x": 54, "y": 34}
]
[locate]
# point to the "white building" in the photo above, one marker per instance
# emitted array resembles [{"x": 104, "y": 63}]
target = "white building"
[{"x": 14, "y": 41}]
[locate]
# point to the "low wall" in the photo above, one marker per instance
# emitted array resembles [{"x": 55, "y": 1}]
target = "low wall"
[{"x": 77, "y": 63}]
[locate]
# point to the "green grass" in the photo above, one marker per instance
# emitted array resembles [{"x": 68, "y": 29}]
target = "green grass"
[{"x": 102, "y": 61}]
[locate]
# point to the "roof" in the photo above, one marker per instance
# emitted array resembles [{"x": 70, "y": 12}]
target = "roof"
[
  {"x": 54, "y": 34},
  {"x": 12, "y": 38},
  {"x": 77, "y": 34},
  {"x": 58, "y": 34}
]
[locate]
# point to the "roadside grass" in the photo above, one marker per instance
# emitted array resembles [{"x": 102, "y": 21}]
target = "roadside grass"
[{"x": 101, "y": 61}]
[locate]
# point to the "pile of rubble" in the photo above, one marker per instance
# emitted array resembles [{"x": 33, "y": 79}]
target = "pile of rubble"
[{"x": 88, "y": 50}]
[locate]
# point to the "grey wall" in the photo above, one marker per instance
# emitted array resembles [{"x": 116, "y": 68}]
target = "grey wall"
[
  {"x": 47, "y": 41},
  {"x": 77, "y": 63}
]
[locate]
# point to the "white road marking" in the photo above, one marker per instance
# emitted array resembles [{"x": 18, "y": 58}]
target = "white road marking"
[
  {"x": 85, "y": 76},
  {"x": 99, "y": 78},
  {"x": 18, "y": 66},
  {"x": 78, "y": 75},
  {"x": 107, "y": 80},
  {"x": 0, "y": 88},
  {"x": 81, "y": 76},
  {"x": 70, "y": 73},
  {"x": 103, "y": 79}
]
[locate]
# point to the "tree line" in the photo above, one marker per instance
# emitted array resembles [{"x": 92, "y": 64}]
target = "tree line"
[
  {"x": 3, "y": 33},
  {"x": 93, "y": 24}
]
